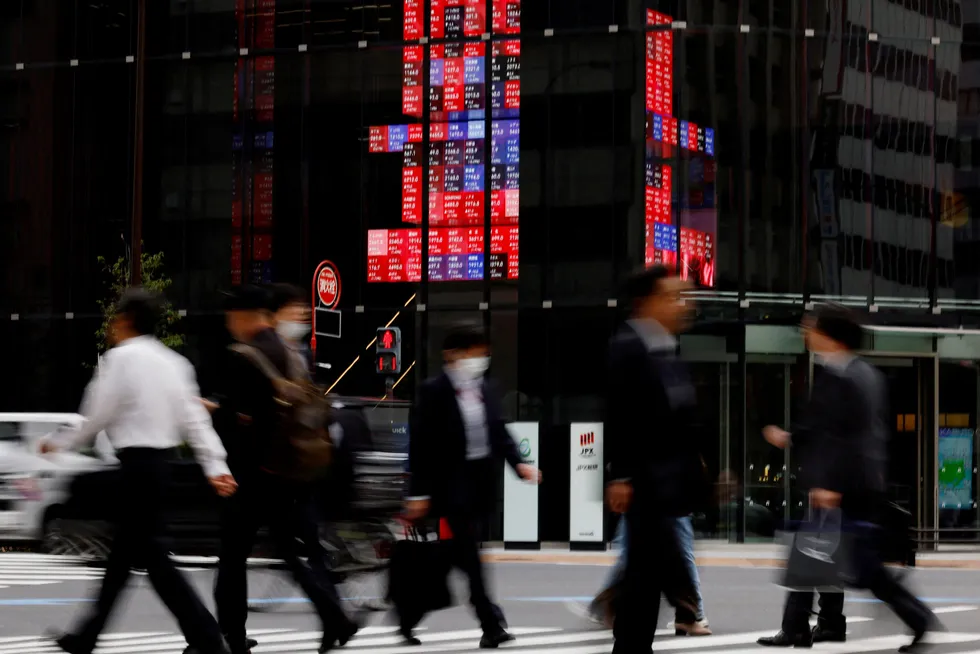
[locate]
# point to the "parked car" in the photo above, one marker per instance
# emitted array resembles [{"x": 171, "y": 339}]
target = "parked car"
[{"x": 34, "y": 488}]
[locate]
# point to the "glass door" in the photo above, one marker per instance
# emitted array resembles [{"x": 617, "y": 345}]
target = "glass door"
[
  {"x": 956, "y": 451},
  {"x": 775, "y": 388},
  {"x": 912, "y": 402},
  {"x": 712, "y": 384}
]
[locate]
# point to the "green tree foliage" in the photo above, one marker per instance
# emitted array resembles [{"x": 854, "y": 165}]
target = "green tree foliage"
[{"x": 153, "y": 279}]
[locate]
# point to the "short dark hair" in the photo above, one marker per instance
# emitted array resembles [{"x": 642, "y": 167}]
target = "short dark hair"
[
  {"x": 643, "y": 284},
  {"x": 839, "y": 324},
  {"x": 285, "y": 294},
  {"x": 247, "y": 298},
  {"x": 465, "y": 336},
  {"x": 143, "y": 308}
]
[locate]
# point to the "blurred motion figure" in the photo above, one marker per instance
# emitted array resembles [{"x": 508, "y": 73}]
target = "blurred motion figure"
[
  {"x": 654, "y": 463},
  {"x": 457, "y": 435},
  {"x": 146, "y": 398},
  {"x": 841, "y": 443}
]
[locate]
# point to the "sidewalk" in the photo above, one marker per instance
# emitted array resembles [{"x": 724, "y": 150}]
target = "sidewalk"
[{"x": 765, "y": 555}]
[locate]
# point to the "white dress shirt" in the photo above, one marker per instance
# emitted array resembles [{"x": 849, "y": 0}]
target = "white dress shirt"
[
  {"x": 473, "y": 410},
  {"x": 146, "y": 395}
]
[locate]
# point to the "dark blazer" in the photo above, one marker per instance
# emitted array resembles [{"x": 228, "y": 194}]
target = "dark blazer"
[
  {"x": 841, "y": 438},
  {"x": 437, "y": 447},
  {"x": 247, "y": 415},
  {"x": 652, "y": 436}
]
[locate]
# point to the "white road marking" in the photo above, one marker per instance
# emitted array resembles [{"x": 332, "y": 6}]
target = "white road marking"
[
  {"x": 531, "y": 640},
  {"x": 953, "y": 609},
  {"x": 20, "y": 569}
]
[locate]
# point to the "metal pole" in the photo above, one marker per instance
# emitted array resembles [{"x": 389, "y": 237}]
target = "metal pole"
[{"x": 137, "y": 224}]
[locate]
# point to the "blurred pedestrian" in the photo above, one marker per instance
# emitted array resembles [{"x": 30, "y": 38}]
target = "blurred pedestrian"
[
  {"x": 269, "y": 496},
  {"x": 600, "y": 610},
  {"x": 291, "y": 319},
  {"x": 457, "y": 437},
  {"x": 654, "y": 462},
  {"x": 841, "y": 444},
  {"x": 146, "y": 399}
]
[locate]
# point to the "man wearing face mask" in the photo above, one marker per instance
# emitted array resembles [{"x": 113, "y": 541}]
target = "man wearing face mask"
[
  {"x": 291, "y": 318},
  {"x": 457, "y": 437}
]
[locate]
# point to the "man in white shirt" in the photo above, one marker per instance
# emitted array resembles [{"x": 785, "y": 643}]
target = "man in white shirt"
[{"x": 146, "y": 399}]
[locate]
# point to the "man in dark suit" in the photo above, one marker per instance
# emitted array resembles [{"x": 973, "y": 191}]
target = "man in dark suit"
[
  {"x": 247, "y": 416},
  {"x": 841, "y": 443},
  {"x": 457, "y": 438},
  {"x": 654, "y": 461}
]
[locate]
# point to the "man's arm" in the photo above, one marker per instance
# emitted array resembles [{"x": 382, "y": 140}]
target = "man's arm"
[
  {"x": 501, "y": 442},
  {"x": 100, "y": 405},
  {"x": 197, "y": 427},
  {"x": 620, "y": 425},
  {"x": 845, "y": 406}
]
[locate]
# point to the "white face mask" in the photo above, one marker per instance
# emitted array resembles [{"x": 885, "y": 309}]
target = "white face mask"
[
  {"x": 473, "y": 368},
  {"x": 292, "y": 330}
]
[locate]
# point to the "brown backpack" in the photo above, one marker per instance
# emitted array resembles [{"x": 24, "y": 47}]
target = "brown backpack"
[{"x": 302, "y": 446}]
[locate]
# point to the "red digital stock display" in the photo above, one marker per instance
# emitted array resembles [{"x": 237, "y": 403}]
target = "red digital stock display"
[
  {"x": 252, "y": 210},
  {"x": 680, "y": 231},
  {"x": 464, "y": 162}
]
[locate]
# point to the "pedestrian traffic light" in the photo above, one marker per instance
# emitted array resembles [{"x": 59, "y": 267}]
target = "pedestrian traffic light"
[{"x": 388, "y": 351}]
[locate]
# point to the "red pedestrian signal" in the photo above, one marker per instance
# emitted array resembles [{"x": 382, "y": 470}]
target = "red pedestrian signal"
[
  {"x": 387, "y": 339},
  {"x": 388, "y": 351}
]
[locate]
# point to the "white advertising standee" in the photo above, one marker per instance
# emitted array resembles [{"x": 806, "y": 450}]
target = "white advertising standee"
[
  {"x": 521, "y": 497},
  {"x": 585, "y": 484}
]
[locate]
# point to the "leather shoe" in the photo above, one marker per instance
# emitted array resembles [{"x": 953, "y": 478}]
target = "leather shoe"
[
  {"x": 410, "y": 638},
  {"x": 70, "y": 643},
  {"x": 221, "y": 649},
  {"x": 824, "y": 635},
  {"x": 916, "y": 645},
  {"x": 783, "y": 639},
  {"x": 341, "y": 639},
  {"x": 495, "y": 639}
]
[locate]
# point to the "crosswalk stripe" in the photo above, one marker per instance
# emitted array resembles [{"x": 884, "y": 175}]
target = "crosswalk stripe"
[
  {"x": 531, "y": 640},
  {"x": 162, "y": 642},
  {"x": 875, "y": 644},
  {"x": 112, "y": 636},
  {"x": 953, "y": 609},
  {"x": 20, "y": 569}
]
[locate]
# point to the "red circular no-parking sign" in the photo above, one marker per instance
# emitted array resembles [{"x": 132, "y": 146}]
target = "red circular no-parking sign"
[{"x": 328, "y": 285}]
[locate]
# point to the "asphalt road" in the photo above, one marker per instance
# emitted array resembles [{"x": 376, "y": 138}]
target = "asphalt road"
[{"x": 541, "y": 602}]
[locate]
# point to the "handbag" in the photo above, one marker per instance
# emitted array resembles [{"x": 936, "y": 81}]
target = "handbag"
[
  {"x": 821, "y": 555},
  {"x": 418, "y": 579}
]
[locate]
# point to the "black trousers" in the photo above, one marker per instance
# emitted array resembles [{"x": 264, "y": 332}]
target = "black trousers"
[
  {"x": 139, "y": 540},
  {"x": 796, "y": 614},
  {"x": 654, "y": 567},
  {"x": 282, "y": 506},
  {"x": 465, "y": 515},
  {"x": 465, "y": 554}
]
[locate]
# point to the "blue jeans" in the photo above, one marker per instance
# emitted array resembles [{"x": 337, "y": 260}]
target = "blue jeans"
[{"x": 685, "y": 537}]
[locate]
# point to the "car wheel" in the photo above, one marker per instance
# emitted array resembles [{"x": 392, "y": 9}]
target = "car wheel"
[{"x": 69, "y": 538}]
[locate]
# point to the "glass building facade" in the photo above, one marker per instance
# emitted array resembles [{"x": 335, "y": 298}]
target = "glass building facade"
[{"x": 510, "y": 163}]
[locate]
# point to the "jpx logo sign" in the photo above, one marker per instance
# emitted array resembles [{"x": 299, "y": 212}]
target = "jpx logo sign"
[{"x": 587, "y": 442}]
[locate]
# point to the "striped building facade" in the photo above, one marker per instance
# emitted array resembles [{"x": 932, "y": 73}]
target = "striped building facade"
[{"x": 885, "y": 148}]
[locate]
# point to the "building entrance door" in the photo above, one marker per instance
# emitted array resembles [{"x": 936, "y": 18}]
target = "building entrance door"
[{"x": 912, "y": 394}]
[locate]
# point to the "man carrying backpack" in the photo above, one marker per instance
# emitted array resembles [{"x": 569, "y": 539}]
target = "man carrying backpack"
[{"x": 274, "y": 424}]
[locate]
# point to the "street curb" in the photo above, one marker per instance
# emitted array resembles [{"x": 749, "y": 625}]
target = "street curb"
[{"x": 702, "y": 561}]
